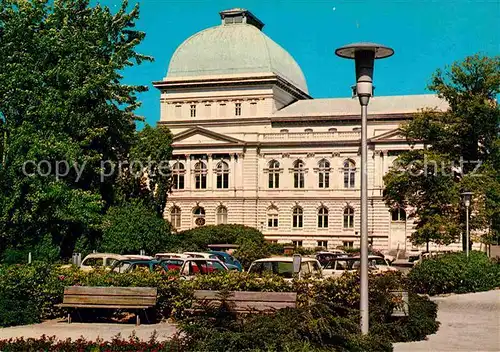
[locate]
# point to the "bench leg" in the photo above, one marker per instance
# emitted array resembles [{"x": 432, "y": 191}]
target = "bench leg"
[
  {"x": 137, "y": 319},
  {"x": 69, "y": 317}
]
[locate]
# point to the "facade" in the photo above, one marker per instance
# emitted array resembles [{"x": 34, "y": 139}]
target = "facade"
[{"x": 251, "y": 146}]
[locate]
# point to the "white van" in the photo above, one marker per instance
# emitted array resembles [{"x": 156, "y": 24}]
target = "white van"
[{"x": 283, "y": 266}]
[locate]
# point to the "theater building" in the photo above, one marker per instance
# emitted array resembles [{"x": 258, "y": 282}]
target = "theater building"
[{"x": 252, "y": 147}]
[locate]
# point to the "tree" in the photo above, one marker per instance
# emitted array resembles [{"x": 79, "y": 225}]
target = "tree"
[
  {"x": 460, "y": 153},
  {"x": 65, "y": 111},
  {"x": 131, "y": 227}
]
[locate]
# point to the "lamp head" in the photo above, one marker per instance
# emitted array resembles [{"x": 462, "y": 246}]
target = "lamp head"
[
  {"x": 364, "y": 55},
  {"x": 466, "y": 197}
]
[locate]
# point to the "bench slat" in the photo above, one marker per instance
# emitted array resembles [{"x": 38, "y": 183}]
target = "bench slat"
[
  {"x": 116, "y": 300},
  {"x": 110, "y": 291},
  {"x": 100, "y": 306},
  {"x": 248, "y": 296}
]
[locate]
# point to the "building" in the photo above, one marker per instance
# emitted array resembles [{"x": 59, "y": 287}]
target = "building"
[{"x": 251, "y": 146}]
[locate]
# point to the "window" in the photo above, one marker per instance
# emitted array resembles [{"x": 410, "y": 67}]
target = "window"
[
  {"x": 323, "y": 244},
  {"x": 175, "y": 217},
  {"x": 324, "y": 174},
  {"x": 272, "y": 218},
  {"x": 297, "y": 217},
  {"x": 222, "y": 171},
  {"x": 200, "y": 175},
  {"x": 297, "y": 243},
  {"x": 398, "y": 214},
  {"x": 348, "y": 218},
  {"x": 357, "y": 129},
  {"x": 298, "y": 174},
  {"x": 308, "y": 130},
  {"x": 94, "y": 262},
  {"x": 349, "y": 174},
  {"x": 284, "y": 130},
  {"x": 274, "y": 174},
  {"x": 178, "y": 175},
  {"x": 199, "y": 216},
  {"x": 221, "y": 215},
  {"x": 323, "y": 217},
  {"x": 193, "y": 110},
  {"x": 332, "y": 130},
  {"x": 237, "y": 109},
  {"x": 348, "y": 244}
]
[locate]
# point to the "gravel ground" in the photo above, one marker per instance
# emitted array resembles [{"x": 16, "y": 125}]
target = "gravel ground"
[
  {"x": 469, "y": 322},
  {"x": 62, "y": 330}
]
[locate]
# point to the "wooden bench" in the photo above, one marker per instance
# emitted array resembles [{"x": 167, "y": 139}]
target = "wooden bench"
[
  {"x": 246, "y": 301},
  {"x": 126, "y": 298}
]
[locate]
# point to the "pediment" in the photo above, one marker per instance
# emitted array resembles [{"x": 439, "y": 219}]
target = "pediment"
[
  {"x": 389, "y": 136},
  {"x": 201, "y": 136}
]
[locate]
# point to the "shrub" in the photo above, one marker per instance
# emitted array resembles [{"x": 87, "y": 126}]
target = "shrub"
[
  {"x": 132, "y": 227},
  {"x": 455, "y": 273},
  {"x": 197, "y": 239}
]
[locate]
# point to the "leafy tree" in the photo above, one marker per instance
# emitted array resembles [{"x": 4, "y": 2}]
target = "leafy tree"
[
  {"x": 131, "y": 227},
  {"x": 199, "y": 238},
  {"x": 62, "y": 99},
  {"x": 460, "y": 153}
]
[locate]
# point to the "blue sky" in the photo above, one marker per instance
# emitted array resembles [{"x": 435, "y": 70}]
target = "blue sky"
[{"x": 425, "y": 35}]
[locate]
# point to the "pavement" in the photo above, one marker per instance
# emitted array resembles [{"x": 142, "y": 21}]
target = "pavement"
[
  {"x": 469, "y": 322},
  {"x": 90, "y": 331}
]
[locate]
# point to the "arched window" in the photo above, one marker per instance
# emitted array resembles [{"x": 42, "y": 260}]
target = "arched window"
[
  {"x": 222, "y": 171},
  {"x": 284, "y": 130},
  {"x": 332, "y": 130},
  {"x": 272, "y": 218},
  {"x": 221, "y": 215},
  {"x": 200, "y": 175},
  {"x": 274, "y": 174},
  {"x": 323, "y": 217},
  {"x": 308, "y": 130},
  {"x": 297, "y": 217},
  {"x": 349, "y": 174},
  {"x": 398, "y": 214},
  {"x": 199, "y": 216},
  {"x": 178, "y": 172},
  {"x": 298, "y": 174},
  {"x": 348, "y": 218},
  {"x": 324, "y": 174},
  {"x": 175, "y": 217}
]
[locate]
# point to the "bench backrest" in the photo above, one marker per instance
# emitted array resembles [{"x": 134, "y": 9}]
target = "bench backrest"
[
  {"x": 250, "y": 300},
  {"x": 116, "y": 296}
]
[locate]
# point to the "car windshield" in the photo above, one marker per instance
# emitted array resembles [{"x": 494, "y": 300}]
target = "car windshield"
[
  {"x": 121, "y": 267},
  {"x": 284, "y": 269}
]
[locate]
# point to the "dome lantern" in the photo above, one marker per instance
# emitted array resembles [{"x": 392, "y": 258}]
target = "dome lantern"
[{"x": 238, "y": 15}]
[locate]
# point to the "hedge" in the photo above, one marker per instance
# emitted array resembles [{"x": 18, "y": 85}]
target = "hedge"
[
  {"x": 28, "y": 294},
  {"x": 455, "y": 273}
]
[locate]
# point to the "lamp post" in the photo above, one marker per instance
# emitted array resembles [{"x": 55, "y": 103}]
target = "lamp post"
[
  {"x": 466, "y": 196},
  {"x": 364, "y": 55}
]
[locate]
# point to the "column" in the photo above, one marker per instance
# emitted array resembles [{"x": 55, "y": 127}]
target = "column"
[
  {"x": 210, "y": 172},
  {"x": 188, "y": 175},
  {"x": 232, "y": 171}
]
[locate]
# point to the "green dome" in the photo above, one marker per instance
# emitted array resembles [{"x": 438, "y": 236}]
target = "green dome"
[{"x": 234, "y": 48}]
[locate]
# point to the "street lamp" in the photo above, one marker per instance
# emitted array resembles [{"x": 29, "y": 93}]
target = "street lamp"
[
  {"x": 364, "y": 55},
  {"x": 466, "y": 196}
]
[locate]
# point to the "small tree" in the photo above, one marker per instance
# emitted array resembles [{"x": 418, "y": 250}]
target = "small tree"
[{"x": 131, "y": 227}]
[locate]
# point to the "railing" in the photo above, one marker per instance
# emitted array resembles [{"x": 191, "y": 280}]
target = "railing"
[{"x": 349, "y": 135}]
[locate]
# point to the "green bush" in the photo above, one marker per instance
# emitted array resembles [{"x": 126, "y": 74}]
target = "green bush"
[
  {"x": 455, "y": 273},
  {"x": 197, "y": 239}
]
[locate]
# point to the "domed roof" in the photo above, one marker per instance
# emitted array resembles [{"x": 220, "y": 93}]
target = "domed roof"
[{"x": 237, "y": 46}]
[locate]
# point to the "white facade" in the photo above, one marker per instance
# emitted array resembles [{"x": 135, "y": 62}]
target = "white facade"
[{"x": 253, "y": 148}]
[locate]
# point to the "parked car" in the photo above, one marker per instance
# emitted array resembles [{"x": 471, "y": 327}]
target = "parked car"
[
  {"x": 138, "y": 256},
  {"x": 100, "y": 260},
  {"x": 227, "y": 259},
  {"x": 189, "y": 267},
  {"x": 161, "y": 256},
  {"x": 131, "y": 265},
  {"x": 337, "y": 266},
  {"x": 210, "y": 255},
  {"x": 325, "y": 257},
  {"x": 283, "y": 266}
]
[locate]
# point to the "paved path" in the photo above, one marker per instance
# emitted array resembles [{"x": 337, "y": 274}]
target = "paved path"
[
  {"x": 90, "y": 331},
  {"x": 469, "y": 322}
]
